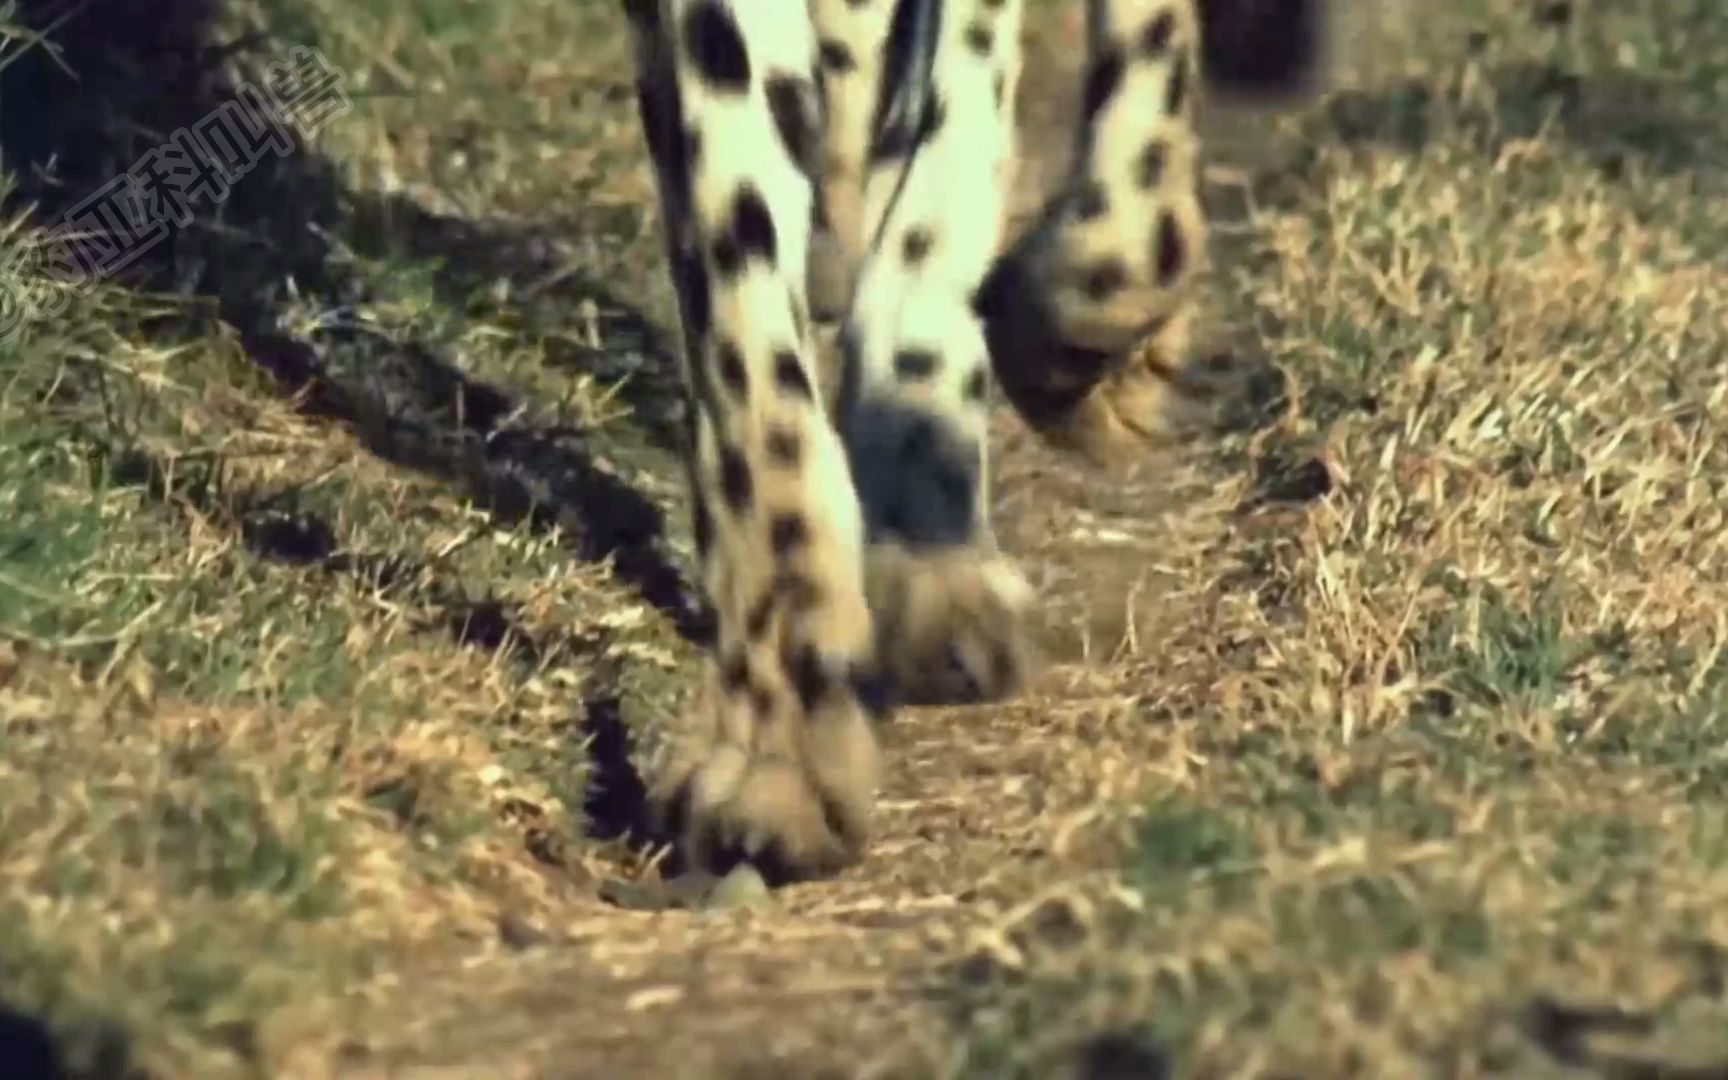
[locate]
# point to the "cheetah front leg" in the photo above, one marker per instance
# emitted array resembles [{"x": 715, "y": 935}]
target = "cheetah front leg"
[
  {"x": 1090, "y": 315},
  {"x": 917, "y": 160},
  {"x": 779, "y": 765}
]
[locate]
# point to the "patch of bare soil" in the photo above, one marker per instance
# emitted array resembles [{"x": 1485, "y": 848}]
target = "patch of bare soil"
[{"x": 993, "y": 823}]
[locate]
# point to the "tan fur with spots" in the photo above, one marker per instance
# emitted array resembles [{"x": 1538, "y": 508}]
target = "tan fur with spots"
[{"x": 839, "y": 475}]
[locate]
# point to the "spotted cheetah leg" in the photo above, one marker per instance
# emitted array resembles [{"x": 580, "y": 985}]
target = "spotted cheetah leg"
[
  {"x": 916, "y": 163},
  {"x": 779, "y": 764},
  {"x": 1090, "y": 316}
]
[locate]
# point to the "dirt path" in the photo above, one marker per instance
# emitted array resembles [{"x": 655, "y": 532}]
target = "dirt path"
[
  {"x": 994, "y": 823},
  {"x": 993, "y": 820}
]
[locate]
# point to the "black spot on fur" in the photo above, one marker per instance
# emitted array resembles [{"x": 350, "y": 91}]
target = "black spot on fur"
[
  {"x": 1176, "y": 93},
  {"x": 790, "y": 377},
  {"x": 934, "y": 116},
  {"x": 735, "y": 482},
  {"x": 1170, "y": 254},
  {"x": 787, "y": 533},
  {"x": 1149, "y": 166},
  {"x": 702, "y": 524},
  {"x": 980, "y": 38},
  {"x": 757, "y": 618},
  {"x": 728, "y": 260},
  {"x": 977, "y": 384},
  {"x": 1155, "y": 38},
  {"x": 836, "y": 57},
  {"x": 810, "y": 678},
  {"x": 797, "y": 118},
  {"x": 1102, "y": 82},
  {"x": 735, "y": 672},
  {"x": 910, "y": 364},
  {"x": 1090, "y": 202},
  {"x": 730, "y": 360},
  {"x": 716, "y": 48},
  {"x": 784, "y": 447},
  {"x": 916, "y": 244},
  {"x": 1104, "y": 279},
  {"x": 749, "y": 231}
]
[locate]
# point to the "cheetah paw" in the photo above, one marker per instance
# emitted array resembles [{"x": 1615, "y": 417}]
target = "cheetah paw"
[
  {"x": 790, "y": 795},
  {"x": 950, "y": 623},
  {"x": 1128, "y": 379},
  {"x": 1166, "y": 389}
]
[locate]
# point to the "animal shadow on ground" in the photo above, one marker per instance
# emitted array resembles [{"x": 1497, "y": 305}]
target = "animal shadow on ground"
[
  {"x": 112, "y": 81},
  {"x": 26, "y": 1045},
  {"x": 1613, "y": 118}
]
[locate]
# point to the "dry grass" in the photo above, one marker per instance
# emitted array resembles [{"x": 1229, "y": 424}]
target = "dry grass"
[
  {"x": 1416, "y": 768},
  {"x": 1446, "y": 755},
  {"x": 278, "y": 718}
]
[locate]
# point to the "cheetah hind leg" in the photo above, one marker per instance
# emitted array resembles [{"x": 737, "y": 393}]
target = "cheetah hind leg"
[
  {"x": 919, "y": 157},
  {"x": 1093, "y": 317}
]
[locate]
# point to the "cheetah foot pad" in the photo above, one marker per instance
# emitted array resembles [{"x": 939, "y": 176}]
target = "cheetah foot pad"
[
  {"x": 950, "y": 623},
  {"x": 795, "y": 805},
  {"x": 1147, "y": 399},
  {"x": 1127, "y": 379}
]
